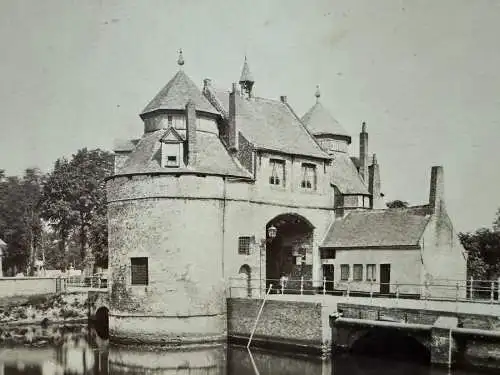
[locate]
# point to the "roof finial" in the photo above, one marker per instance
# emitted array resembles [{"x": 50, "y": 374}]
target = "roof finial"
[
  {"x": 317, "y": 94},
  {"x": 363, "y": 127},
  {"x": 180, "y": 60},
  {"x": 374, "y": 162}
]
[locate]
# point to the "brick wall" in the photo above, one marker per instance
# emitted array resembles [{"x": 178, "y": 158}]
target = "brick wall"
[{"x": 281, "y": 322}]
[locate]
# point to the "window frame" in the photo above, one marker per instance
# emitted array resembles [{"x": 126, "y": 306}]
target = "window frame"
[
  {"x": 357, "y": 272},
  {"x": 373, "y": 276},
  {"x": 306, "y": 183},
  {"x": 274, "y": 175},
  {"x": 133, "y": 280},
  {"x": 243, "y": 246},
  {"x": 167, "y": 152},
  {"x": 344, "y": 276}
]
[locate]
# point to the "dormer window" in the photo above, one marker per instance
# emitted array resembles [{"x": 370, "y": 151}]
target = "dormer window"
[
  {"x": 171, "y": 149},
  {"x": 309, "y": 177},
  {"x": 277, "y": 176}
]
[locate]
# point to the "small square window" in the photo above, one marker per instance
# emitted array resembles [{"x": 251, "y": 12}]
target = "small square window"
[
  {"x": 169, "y": 120},
  {"x": 357, "y": 272},
  {"x": 139, "y": 271},
  {"x": 171, "y": 154},
  {"x": 344, "y": 272},
  {"x": 244, "y": 245}
]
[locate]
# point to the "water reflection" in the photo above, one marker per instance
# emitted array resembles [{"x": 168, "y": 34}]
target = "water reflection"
[{"x": 80, "y": 351}]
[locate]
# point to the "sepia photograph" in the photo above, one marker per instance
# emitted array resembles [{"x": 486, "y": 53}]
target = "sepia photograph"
[{"x": 249, "y": 187}]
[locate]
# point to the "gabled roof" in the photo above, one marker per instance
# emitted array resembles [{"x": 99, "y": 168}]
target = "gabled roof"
[
  {"x": 271, "y": 125},
  {"x": 345, "y": 176},
  {"x": 212, "y": 158},
  {"x": 175, "y": 95},
  {"x": 378, "y": 228},
  {"x": 171, "y": 135},
  {"x": 318, "y": 120}
]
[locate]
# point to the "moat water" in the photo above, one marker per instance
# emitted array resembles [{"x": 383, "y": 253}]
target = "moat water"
[{"x": 80, "y": 350}]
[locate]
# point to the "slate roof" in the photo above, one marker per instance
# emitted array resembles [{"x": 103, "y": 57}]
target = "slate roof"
[
  {"x": 213, "y": 158},
  {"x": 176, "y": 94},
  {"x": 318, "y": 120},
  {"x": 345, "y": 176},
  {"x": 121, "y": 145},
  {"x": 272, "y": 125},
  {"x": 378, "y": 228}
]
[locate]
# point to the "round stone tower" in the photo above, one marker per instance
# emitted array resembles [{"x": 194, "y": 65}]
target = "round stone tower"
[{"x": 165, "y": 215}]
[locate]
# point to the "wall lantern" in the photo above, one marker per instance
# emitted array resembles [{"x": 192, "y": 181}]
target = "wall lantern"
[{"x": 272, "y": 231}]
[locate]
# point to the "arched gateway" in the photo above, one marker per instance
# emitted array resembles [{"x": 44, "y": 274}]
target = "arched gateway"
[{"x": 289, "y": 240}]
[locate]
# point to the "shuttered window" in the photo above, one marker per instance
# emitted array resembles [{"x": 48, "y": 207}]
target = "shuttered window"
[
  {"x": 344, "y": 272},
  {"x": 139, "y": 268},
  {"x": 357, "y": 272}
]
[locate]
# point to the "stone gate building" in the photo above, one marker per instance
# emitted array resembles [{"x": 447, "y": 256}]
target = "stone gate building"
[{"x": 226, "y": 183}]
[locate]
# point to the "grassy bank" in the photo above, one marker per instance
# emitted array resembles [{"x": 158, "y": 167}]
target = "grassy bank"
[{"x": 43, "y": 309}]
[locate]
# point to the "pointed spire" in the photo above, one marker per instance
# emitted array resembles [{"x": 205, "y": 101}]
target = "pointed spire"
[
  {"x": 246, "y": 79},
  {"x": 317, "y": 94},
  {"x": 180, "y": 60}
]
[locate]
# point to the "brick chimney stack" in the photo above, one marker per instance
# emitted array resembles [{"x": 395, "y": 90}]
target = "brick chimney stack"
[
  {"x": 192, "y": 146},
  {"x": 436, "y": 194},
  {"x": 232, "y": 126},
  {"x": 363, "y": 153},
  {"x": 374, "y": 185}
]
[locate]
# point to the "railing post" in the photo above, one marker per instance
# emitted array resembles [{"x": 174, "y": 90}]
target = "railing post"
[
  {"x": 348, "y": 288},
  {"x": 301, "y": 285},
  {"x": 282, "y": 288},
  {"x": 397, "y": 291},
  {"x": 371, "y": 292},
  {"x": 324, "y": 285},
  {"x": 492, "y": 291},
  {"x": 471, "y": 292}
]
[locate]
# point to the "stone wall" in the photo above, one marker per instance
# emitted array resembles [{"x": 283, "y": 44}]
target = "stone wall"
[
  {"x": 285, "y": 323},
  {"x": 26, "y": 286}
]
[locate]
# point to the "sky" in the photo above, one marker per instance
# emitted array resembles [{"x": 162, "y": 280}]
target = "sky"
[{"x": 423, "y": 74}]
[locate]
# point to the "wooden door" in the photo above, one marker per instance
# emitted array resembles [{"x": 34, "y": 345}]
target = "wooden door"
[{"x": 385, "y": 278}]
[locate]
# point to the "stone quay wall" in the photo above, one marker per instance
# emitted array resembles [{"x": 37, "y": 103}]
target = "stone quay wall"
[{"x": 299, "y": 326}]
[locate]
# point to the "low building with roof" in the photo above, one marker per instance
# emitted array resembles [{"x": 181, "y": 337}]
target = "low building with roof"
[{"x": 223, "y": 184}]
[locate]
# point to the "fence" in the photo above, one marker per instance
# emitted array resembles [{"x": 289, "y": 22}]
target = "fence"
[
  {"x": 444, "y": 289},
  {"x": 94, "y": 282}
]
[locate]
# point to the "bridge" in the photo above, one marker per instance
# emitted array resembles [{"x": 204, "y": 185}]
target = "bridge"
[{"x": 452, "y": 325}]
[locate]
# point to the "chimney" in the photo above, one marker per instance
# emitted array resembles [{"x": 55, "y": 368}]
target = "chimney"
[
  {"x": 374, "y": 185},
  {"x": 283, "y": 98},
  {"x": 192, "y": 147},
  {"x": 363, "y": 153},
  {"x": 232, "y": 129},
  {"x": 436, "y": 195}
]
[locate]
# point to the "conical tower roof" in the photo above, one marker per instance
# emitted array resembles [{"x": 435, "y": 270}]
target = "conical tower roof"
[
  {"x": 319, "y": 121},
  {"x": 175, "y": 95},
  {"x": 246, "y": 75}
]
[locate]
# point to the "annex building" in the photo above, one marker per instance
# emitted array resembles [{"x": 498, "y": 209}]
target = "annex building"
[{"x": 224, "y": 184}]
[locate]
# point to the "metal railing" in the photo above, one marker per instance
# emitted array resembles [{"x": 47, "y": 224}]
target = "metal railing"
[
  {"x": 486, "y": 291},
  {"x": 95, "y": 281}
]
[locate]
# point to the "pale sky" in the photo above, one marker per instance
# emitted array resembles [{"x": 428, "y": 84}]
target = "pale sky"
[{"x": 422, "y": 74}]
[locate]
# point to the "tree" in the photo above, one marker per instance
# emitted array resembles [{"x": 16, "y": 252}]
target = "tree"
[
  {"x": 74, "y": 201},
  {"x": 483, "y": 247},
  {"x": 397, "y": 204},
  {"x": 20, "y": 222}
]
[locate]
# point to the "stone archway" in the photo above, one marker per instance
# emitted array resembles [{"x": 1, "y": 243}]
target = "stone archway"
[{"x": 286, "y": 252}]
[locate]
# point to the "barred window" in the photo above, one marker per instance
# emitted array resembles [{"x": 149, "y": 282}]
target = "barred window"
[
  {"x": 344, "y": 272},
  {"x": 308, "y": 176},
  {"x": 277, "y": 172},
  {"x": 357, "y": 272},
  {"x": 370, "y": 272},
  {"x": 139, "y": 270},
  {"x": 244, "y": 245}
]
